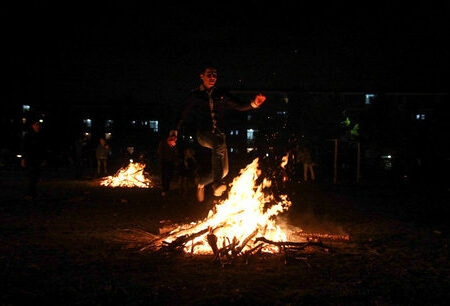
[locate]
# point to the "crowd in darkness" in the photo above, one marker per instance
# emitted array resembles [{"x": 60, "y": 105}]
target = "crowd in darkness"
[{"x": 310, "y": 160}]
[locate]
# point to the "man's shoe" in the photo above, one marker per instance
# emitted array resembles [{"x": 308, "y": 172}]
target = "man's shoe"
[
  {"x": 200, "y": 193},
  {"x": 218, "y": 191}
]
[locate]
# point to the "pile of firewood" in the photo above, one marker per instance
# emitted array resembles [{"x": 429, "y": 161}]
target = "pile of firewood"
[{"x": 233, "y": 250}]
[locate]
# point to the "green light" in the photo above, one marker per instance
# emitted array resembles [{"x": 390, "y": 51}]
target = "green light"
[
  {"x": 354, "y": 131},
  {"x": 347, "y": 121}
]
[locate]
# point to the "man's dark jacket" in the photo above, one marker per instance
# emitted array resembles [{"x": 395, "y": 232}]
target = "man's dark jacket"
[{"x": 197, "y": 108}]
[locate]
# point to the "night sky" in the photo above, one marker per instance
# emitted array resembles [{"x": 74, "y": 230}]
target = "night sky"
[{"x": 84, "y": 54}]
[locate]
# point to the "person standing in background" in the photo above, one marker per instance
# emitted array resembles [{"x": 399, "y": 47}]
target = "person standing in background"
[
  {"x": 168, "y": 158},
  {"x": 102, "y": 154},
  {"x": 33, "y": 158}
]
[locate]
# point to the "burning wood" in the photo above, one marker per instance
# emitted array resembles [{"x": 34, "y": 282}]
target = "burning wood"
[
  {"x": 232, "y": 226},
  {"x": 180, "y": 242},
  {"x": 317, "y": 236},
  {"x": 130, "y": 176},
  {"x": 243, "y": 225}
]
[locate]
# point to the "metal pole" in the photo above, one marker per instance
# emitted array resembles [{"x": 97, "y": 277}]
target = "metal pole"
[
  {"x": 358, "y": 162},
  {"x": 335, "y": 160}
]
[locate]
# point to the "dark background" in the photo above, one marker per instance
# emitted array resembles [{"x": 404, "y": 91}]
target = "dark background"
[
  {"x": 133, "y": 61},
  {"x": 73, "y": 52}
]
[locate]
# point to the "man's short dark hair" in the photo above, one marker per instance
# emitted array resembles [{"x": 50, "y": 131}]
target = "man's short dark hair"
[{"x": 206, "y": 66}]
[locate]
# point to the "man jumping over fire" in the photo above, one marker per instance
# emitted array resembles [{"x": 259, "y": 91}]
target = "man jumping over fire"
[{"x": 207, "y": 105}]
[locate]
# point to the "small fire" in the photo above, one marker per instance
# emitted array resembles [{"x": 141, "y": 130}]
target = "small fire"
[
  {"x": 284, "y": 160},
  {"x": 247, "y": 214},
  {"x": 130, "y": 176}
]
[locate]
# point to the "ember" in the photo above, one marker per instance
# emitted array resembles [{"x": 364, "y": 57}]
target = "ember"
[
  {"x": 243, "y": 224},
  {"x": 130, "y": 176}
]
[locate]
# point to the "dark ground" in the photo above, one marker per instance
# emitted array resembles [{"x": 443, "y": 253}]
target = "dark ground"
[{"x": 65, "y": 248}]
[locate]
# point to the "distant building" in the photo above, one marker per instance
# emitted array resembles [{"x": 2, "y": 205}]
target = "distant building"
[{"x": 402, "y": 125}]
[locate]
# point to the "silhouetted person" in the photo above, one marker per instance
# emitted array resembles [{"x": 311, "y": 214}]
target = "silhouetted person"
[
  {"x": 168, "y": 157},
  {"x": 102, "y": 154},
  {"x": 33, "y": 158},
  {"x": 308, "y": 164},
  {"x": 207, "y": 105}
]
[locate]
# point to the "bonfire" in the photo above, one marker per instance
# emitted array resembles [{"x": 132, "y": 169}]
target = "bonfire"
[
  {"x": 129, "y": 176},
  {"x": 247, "y": 223},
  {"x": 243, "y": 224}
]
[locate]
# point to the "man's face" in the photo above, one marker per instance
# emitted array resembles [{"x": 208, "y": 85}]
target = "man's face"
[
  {"x": 36, "y": 127},
  {"x": 209, "y": 77},
  {"x": 172, "y": 140}
]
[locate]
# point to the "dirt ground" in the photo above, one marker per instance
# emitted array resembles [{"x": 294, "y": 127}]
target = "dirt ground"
[{"x": 66, "y": 248}]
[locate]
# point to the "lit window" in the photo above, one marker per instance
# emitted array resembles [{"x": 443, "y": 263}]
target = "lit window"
[
  {"x": 250, "y": 134},
  {"x": 109, "y": 123},
  {"x": 236, "y": 132},
  {"x": 108, "y": 136},
  {"x": 87, "y": 122},
  {"x": 25, "y": 108},
  {"x": 154, "y": 125},
  {"x": 420, "y": 116},
  {"x": 231, "y": 132},
  {"x": 231, "y": 149},
  {"x": 24, "y": 120},
  {"x": 369, "y": 98},
  {"x": 387, "y": 161}
]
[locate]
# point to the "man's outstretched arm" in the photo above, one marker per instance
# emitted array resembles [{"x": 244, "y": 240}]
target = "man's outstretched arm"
[{"x": 255, "y": 103}]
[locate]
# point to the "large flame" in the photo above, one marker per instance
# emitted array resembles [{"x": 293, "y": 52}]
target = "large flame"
[
  {"x": 130, "y": 176},
  {"x": 248, "y": 213}
]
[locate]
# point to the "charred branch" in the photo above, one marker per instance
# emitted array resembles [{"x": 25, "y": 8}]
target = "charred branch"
[
  {"x": 317, "y": 236},
  {"x": 287, "y": 246},
  {"x": 180, "y": 242},
  {"x": 212, "y": 241},
  {"x": 246, "y": 240},
  {"x": 281, "y": 243}
]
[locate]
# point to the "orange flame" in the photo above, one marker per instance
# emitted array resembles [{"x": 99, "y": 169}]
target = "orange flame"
[
  {"x": 248, "y": 212},
  {"x": 284, "y": 160},
  {"x": 130, "y": 176}
]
